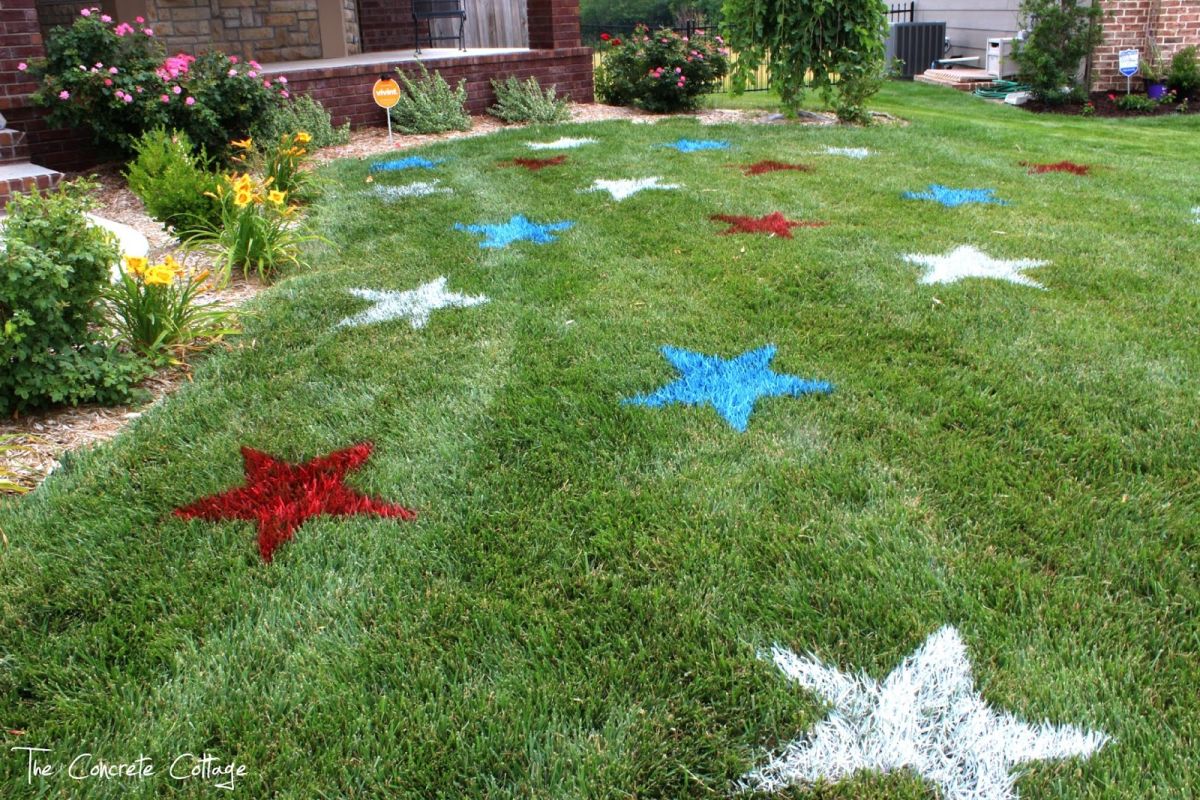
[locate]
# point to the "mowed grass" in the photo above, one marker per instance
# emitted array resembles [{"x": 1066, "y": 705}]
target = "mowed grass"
[{"x": 577, "y": 610}]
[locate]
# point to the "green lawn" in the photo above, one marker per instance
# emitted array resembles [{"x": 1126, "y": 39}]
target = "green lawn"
[{"x": 577, "y": 609}]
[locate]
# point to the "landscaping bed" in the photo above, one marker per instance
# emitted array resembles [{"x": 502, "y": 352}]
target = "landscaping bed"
[{"x": 1105, "y": 104}]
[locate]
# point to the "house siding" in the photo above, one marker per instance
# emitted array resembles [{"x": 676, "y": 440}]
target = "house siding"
[{"x": 969, "y": 25}]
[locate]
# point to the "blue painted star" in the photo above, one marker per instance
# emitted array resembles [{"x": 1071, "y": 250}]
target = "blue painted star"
[
  {"x": 412, "y": 162},
  {"x": 731, "y": 386},
  {"x": 692, "y": 145},
  {"x": 953, "y": 198},
  {"x": 515, "y": 230}
]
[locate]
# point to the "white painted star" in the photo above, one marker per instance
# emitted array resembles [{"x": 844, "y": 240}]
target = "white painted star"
[
  {"x": 1196, "y": 215},
  {"x": 559, "y": 144},
  {"x": 414, "y": 305},
  {"x": 849, "y": 152},
  {"x": 629, "y": 186},
  {"x": 965, "y": 261},
  {"x": 925, "y": 717},
  {"x": 418, "y": 189}
]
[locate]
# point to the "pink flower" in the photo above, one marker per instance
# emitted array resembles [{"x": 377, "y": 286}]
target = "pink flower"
[
  {"x": 678, "y": 70},
  {"x": 128, "y": 98},
  {"x": 113, "y": 70},
  {"x": 165, "y": 98},
  {"x": 191, "y": 101},
  {"x": 99, "y": 65},
  {"x": 22, "y": 66},
  {"x": 139, "y": 20},
  {"x": 233, "y": 59},
  {"x": 148, "y": 31},
  {"x": 108, "y": 81},
  {"x": 266, "y": 84},
  {"x": 252, "y": 74},
  {"x": 105, "y": 18},
  {"x": 123, "y": 29},
  {"x": 232, "y": 73},
  {"x": 283, "y": 79},
  {"x": 255, "y": 64},
  {"x": 285, "y": 95},
  {"x": 139, "y": 89},
  {"x": 64, "y": 95},
  {"x": 177, "y": 89},
  {"x": 87, "y": 12}
]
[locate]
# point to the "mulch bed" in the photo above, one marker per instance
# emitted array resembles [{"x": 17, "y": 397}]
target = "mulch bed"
[{"x": 1105, "y": 104}]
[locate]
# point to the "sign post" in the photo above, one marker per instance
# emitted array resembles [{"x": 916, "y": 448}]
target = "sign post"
[
  {"x": 386, "y": 93},
  {"x": 1127, "y": 62}
]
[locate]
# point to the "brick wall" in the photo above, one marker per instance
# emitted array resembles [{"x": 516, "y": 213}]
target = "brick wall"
[
  {"x": 346, "y": 91},
  {"x": 20, "y": 40},
  {"x": 553, "y": 24},
  {"x": 386, "y": 25},
  {"x": 1174, "y": 24}
]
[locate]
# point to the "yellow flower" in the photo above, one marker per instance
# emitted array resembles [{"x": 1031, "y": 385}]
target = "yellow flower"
[
  {"x": 277, "y": 197},
  {"x": 243, "y": 144},
  {"x": 243, "y": 183},
  {"x": 135, "y": 265},
  {"x": 303, "y": 138},
  {"x": 242, "y": 198},
  {"x": 170, "y": 263},
  {"x": 159, "y": 275}
]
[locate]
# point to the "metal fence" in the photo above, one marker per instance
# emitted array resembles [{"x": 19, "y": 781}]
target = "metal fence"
[{"x": 760, "y": 81}]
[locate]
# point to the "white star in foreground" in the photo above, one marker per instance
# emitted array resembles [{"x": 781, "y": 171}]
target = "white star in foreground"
[
  {"x": 926, "y": 717},
  {"x": 418, "y": 189},
  {"x": 414, "y": 305},
  {"x": 559, "y": 144},
  {"x": 965, "y": 261},
  {"x": 628, "y": 186},
  {"x": 849, "y": 152},
  {"x": 1196, "y": 215}
]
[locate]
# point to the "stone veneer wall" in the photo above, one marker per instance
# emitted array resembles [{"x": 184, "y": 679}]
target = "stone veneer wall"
[
  {"x": 266, "y": 30},
  {"x": 1174, "y": 23}
]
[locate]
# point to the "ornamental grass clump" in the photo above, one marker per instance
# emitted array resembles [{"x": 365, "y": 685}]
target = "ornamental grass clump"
[
  {"x": 660, "y": 72},
  {"x": 258, "y": 229},
  {"x": 156, "y": 309}
]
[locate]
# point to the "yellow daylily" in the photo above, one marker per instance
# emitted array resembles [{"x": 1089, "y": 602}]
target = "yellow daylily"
[
  {"x": 303, "y": 138},
  {"x": 159, "y": 275},
  {"x": 172, "y": 264},
  {"x": 135, "y": 265},
  {"x": 277, "y": 197},
  {"x": 243, "y": 144},
  {"x": 243, "y": 198}
]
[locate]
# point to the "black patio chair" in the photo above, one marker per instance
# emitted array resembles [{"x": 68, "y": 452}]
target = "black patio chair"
[{"x": 428, "y": 10}]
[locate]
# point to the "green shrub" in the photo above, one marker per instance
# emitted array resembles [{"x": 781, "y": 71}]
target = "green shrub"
[
  {"x": 1060, "y": 36},
  {"x": 1184, "y": 77},
  {"x": 429, "y": 105},
  {"x": 173, "y": 181},
  {"x": 117, "y": 81},
  {"x": 53, "y": 269},
  {"x": 1137, "y": 104},
  {"x": 660, "y": 72},
  {"x": 301, "y": 114},
  {"x": 527, "y": 102}
]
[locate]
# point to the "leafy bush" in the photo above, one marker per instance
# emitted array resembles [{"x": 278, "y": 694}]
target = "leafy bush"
[
  {"x": 53, "y": 269},
  {"x": 301, "y": 114},
  {"x": 836, "y": 48},
  {"x": 660, "y": 72},
  {"x": 1184, "y": 77},
  {"x": 154, "y": 306},
  {"x": 1060, "y": 35},
  {"x": 527, "y": 102},
  {"x": 429, "y": 105},
  {"x": 173, "y": 181},
  {"x": 1137, "y": 103},
  {"x": 116, "y": 80},
  {"x": 257, "y": 230}
]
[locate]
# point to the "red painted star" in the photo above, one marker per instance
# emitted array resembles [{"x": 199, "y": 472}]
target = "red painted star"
[
  {"x": 536, "y": 163},
  {"x": 760, "y": 167},
  {"x": 774, "y": 223},
  {"x": 281, "y": 497},
  {"x": 1058, "y": 166}
]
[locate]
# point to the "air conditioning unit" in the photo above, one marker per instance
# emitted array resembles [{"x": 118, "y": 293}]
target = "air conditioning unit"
[
  {"x": 1000, "y": 63},
  {"x": 917, "y": 44}
]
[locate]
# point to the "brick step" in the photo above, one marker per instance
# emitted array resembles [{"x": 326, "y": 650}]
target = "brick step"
[
  {"x": 12, "y": 146},
  {"x": 22, "y": 176}
]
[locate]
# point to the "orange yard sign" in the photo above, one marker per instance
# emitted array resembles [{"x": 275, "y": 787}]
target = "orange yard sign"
[{"x": 386, "y": 92}]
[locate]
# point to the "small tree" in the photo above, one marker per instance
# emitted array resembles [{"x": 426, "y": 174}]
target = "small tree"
[
  {"x": 1060, "y": 34},
  {"x": 836, "y": 47}
]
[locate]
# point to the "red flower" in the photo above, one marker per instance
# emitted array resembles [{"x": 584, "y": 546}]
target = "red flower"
[
  {"x": 604, "y": 37},
  {"x": 615, "y": 42},
  {"x": 1112, "y": 97}
]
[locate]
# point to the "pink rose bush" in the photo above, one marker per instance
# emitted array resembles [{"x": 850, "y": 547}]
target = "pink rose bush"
[{"x": 662, "y": 71}]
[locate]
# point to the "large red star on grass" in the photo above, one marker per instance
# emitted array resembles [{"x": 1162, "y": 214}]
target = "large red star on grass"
[
  {"x": 761, "y": 167},
  {"x": 774, "y": 223},
  {"x": 281, "y": 497},
  {"x": 535, "y": 164}
]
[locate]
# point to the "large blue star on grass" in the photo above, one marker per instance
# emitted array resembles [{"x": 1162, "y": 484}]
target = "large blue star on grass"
[
  {"x": 412, "y": 162},
  {"x": 515, "y": 230},
  {"x": 953, "y": 198},
  {"x": 730, "y": 386},
  {"x": 694, "y": 145}
]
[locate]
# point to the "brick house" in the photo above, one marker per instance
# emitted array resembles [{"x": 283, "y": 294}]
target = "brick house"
[{"x": 331, "y": 49}]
